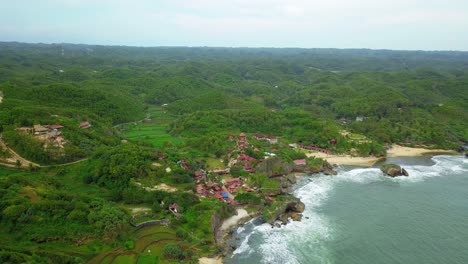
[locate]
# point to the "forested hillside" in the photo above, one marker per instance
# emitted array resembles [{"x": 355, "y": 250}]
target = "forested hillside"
[
  {"x": 135, "y": 118},
  {"x": 408, "y": 97}
]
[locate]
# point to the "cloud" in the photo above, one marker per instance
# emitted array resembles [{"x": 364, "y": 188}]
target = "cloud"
[{"x": 305, "y": 23}]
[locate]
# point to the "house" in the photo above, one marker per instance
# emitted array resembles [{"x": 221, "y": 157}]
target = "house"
[
  {"x": 218, "y": 196},
  {"x": 40, "y": 130},
  {"x": 185, "y": 165},
  {"x": 243, "y": 144},
  {"x": 56, "y": 126},
  {"x": 359, "y": 118},
  {"x": 293, "y": 146},
  {"x": 272, "y": 139},
  {"x": 248, "y": 168},
  {"x": 220, "y": 171},
  {"x": 300, "y": 162},
  {"x": 200, "y": 175},
  {"x": 246, "y": 158},
  {"x": 259, "y": 136},
  {"x": 200, "y": 189},
  {"x": 333, "y": 142},
  {"x": 242, "y": 137},
  {"x": 85, "y": 125},
  {"x": 225, "y": 195},
  {"x": 174, "y": 207}
]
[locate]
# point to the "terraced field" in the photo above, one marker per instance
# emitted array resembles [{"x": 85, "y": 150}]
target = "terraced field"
[
  {"x": 148, "y": 248},
  {"x": 153, "y": 131}
]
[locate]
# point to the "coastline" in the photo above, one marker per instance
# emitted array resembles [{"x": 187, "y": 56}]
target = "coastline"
[
  {"x": 234, "y": 221},
  {"x": 402, "y": 151},
  {"x": 347, "y": 159},
  {"x": 394, "y": 151}
]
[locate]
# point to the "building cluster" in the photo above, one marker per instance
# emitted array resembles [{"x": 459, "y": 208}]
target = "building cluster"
[
  {"x": 50, "y": 134},
  {"x": 210, "y": 189}
]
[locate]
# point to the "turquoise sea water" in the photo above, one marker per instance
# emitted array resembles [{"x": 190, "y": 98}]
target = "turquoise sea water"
[{"x": 360, "y": 216}]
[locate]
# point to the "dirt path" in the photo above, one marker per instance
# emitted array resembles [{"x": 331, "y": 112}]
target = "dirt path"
[
  {"x": 148, "y": 116},
  {"x": 11, "y": 161}
]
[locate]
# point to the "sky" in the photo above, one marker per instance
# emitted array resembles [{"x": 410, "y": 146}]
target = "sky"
[{"x": 375, "y": 24}]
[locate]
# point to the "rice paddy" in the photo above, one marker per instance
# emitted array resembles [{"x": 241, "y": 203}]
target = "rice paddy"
[{"x": 152, "y": 131}]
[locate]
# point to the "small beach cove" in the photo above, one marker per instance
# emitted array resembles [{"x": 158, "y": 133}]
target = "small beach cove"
[
  {"x": 393, "y": 151},
  {"x": 360, "y": 215}
]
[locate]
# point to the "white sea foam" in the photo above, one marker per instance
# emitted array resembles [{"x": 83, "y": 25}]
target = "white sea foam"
[
  {"x": 280, "y": 245},
  {"x": 298, "y": 241}
]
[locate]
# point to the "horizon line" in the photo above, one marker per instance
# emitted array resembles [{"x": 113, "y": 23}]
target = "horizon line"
[{"x": 226, "y": 47}]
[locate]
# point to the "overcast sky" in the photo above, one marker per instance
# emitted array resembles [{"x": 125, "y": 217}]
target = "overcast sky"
[{"x": 395, "y": 24}]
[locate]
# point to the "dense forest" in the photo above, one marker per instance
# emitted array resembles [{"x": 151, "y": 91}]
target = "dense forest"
[{"x": 193, "y": 98}]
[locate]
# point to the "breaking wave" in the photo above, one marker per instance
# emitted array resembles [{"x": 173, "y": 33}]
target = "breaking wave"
[{"x": 303, "y": 242}]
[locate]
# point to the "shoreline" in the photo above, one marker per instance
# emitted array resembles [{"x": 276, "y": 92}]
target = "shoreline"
[
  {"x": 228, "y": 224},
  {"x": 402, "y": 151},
  {"x": 346, "y": 159},
  {"x": 394, "y": 151}
]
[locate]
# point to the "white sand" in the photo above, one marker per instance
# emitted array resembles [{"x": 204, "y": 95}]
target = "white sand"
[
  {"x": 234, "y": 220},
  {"x": 401, "y": 151},
  {"x": 217, "y": 260},
  {"x": 346, "y": 159}
]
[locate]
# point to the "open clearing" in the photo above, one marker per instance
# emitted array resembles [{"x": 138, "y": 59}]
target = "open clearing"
[
  {"x": 153, "y": 131},
  {"x": 148, "y": 247}
]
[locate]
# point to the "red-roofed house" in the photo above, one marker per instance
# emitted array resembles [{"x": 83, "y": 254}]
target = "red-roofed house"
[
  {"x": 174, "y": 207},
  {"x": 259, "y": 136},
  {"x": 243, "y": 144},
  {"x": 300, "y": 162},
  {"x": 218, "y": 196},
  {"x": 200, "y": 189},
  {"x": 85, "y": 125},
  {"x": 248, "y": 168},
  {"x": 56, "y": 126}
]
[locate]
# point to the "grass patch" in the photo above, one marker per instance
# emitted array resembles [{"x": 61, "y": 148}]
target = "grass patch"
[
  {"x": 154, "y": 131},
  {"x": 213, "y": 163}
]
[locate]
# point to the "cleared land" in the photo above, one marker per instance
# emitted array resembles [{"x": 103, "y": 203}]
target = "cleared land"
[
  {"x": 153, "y": 131},
  {"x": 148, "y": 247}
]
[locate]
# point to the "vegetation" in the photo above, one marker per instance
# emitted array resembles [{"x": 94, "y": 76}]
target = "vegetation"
[{"x": 155, "y": 110}]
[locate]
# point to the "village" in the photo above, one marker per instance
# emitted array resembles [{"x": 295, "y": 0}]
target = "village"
[
  {"x": 218, "y": 183},
  {"x": 50, "y": 135}
]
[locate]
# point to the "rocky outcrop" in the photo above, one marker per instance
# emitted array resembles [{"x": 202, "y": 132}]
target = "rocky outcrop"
[
  {"x": 274, "y": 167},
  {"x": 292, "y": 210},
  {"x": 393, "y": 170},
  {"x": 325, "y": 168},
  {"x": 284, "y": 210}
]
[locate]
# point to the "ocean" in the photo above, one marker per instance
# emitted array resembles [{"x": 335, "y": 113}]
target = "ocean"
[{"x": 363, "y": 217}]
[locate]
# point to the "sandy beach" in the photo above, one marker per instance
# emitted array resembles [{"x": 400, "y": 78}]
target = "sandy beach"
[
  {"x": 394, "y": 151},
  {"x": 401, "y": 151},
  {"x": 234, "y": 220},
  {"x": 229, "y": 223},
  {"x": 204, "y": 260},
  {"x": 346, "y": 159}
]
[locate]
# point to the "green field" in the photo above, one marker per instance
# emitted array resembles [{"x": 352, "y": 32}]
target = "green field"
[
  {"x": 153, "y": 131},
  {"x": 148, "y": 247}
]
